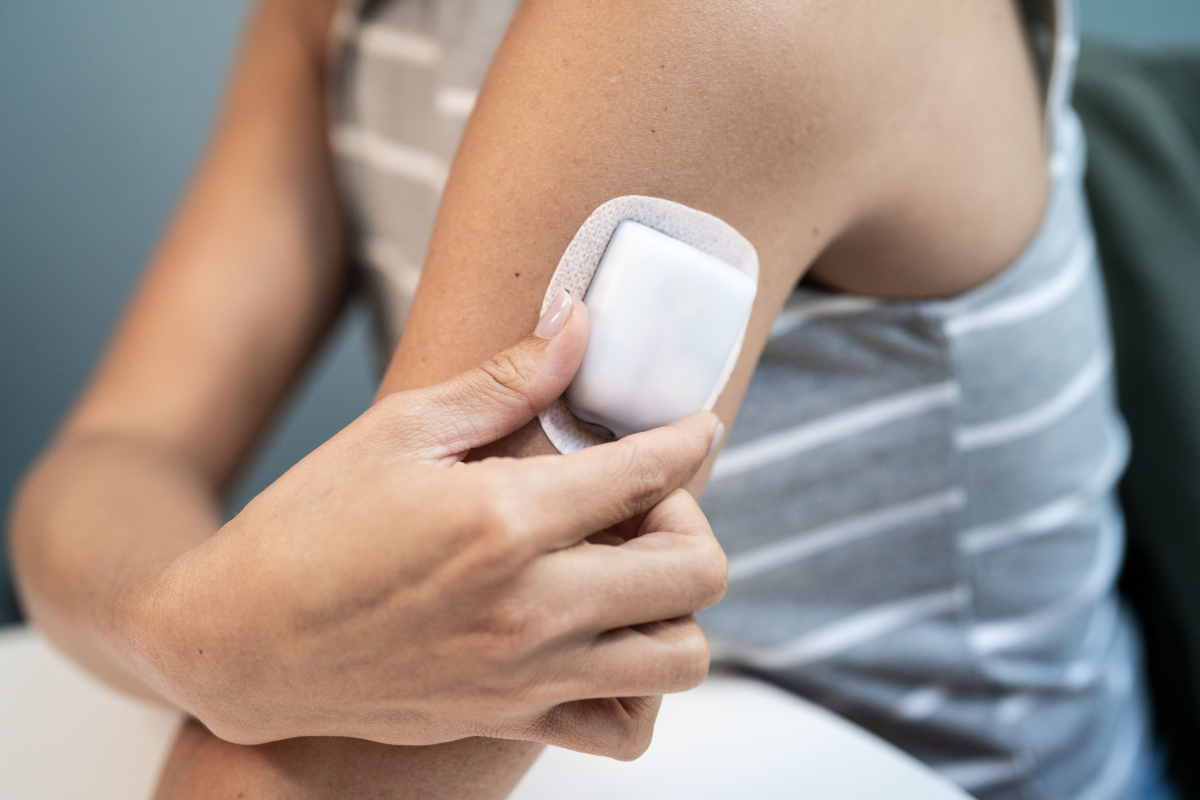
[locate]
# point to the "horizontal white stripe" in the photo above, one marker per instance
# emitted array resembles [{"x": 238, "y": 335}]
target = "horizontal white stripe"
[
  {"x": 793, "y": 441},
  {"x": 990, "y": 637},
  {"x": 1030, "y": 304},
  {"x": 851, "y": 631},
  {"x": 455, "y": 101},
  {"x": 1081, "y": 387},
  {"x": 401, "y": 272},
  {"x": 399, "y": 45},
  {"x": 1020, "y": 672},
  {"x": 841, "y": 532},
  {"x": 392, "y": 157},
  {"x": 982, "y": 773},
  {"x": 1013, "y": 709},
  {"x": 793, "y": 317},
  {"x": 922, "y": 703},
  {"x": 1085, "y": 671},
  {"x": 1055, "y": 515}
]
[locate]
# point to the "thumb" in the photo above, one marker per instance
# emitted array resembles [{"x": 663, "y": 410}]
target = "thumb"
[{"x": 491, "y": 401}]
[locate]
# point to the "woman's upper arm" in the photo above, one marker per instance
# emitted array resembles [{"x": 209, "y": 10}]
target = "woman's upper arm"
[
  {"x": 703, "y": 103},
  {"x": 250, "y": 271}
]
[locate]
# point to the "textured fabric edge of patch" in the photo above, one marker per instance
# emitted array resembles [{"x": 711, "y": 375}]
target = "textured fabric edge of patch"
[{"x": 582, "y": 257}]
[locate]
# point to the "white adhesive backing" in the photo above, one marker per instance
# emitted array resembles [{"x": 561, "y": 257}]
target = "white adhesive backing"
[{"x": 582, "y": 257}]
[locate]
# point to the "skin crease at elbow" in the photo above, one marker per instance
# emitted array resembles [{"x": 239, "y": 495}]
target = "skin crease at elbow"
[{"x": 833, "y": 135}]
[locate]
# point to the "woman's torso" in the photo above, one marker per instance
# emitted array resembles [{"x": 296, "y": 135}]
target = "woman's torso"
[{"x": 917, "y": 497}]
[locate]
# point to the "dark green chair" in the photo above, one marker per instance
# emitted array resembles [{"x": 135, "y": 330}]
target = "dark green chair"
[{"x": 1142, "y": 116}]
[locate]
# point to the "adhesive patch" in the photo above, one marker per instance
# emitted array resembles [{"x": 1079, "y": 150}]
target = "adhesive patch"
[{"x": 582, "y": 257}]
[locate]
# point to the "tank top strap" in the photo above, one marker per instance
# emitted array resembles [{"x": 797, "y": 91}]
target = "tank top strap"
[
  {"x": 1062, "y": 70},
  {"x": 1050, "y": 27}
]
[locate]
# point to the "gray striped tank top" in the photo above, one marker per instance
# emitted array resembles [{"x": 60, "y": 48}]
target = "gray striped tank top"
[{"x": 917, "y": 498}]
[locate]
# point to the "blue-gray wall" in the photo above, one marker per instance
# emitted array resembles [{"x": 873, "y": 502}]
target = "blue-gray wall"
[
  {"x": 1142, "y": 23},
  {"x": 103, "y": 107}
]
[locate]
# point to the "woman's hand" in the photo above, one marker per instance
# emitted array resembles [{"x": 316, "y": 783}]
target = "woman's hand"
[{"x": 372, "y": 593}]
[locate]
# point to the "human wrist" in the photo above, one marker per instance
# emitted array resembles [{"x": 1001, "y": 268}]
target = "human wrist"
[{"x": 161, "y": 626}]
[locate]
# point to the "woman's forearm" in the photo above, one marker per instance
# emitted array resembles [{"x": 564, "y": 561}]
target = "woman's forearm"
[
  {"x": 202, "y": 767},
  {"x": 94, "y": 521}
]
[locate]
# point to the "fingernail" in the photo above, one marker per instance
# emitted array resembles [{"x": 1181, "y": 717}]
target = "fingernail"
[
  {"x": 555, "y": 317},
  {"x": 718, "y": 435}
]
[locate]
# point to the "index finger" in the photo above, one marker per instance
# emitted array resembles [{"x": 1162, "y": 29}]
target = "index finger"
[{"x": 567, "y": 498}]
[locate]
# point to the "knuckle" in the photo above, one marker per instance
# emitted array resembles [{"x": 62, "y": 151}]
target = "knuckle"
[
  {"x": 713, "y": 578},
  {"x": 505, "y": 526},
  {"x": 634, "y": 738},
  {"x": 495, "y": 529},
  {"x": 520, "y": 626},
  {"x": 510, "y": 371},
  {"x": 694, "y": 660},
  {"x": 618, "y": 728},
  {"x": 504, "y": 688},
  {"x": 648, "y": 474},
  {"x": 507, "y": 693}
]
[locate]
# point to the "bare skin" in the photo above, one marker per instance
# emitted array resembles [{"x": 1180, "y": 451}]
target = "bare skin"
[{"x": 889, "y": 148}]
